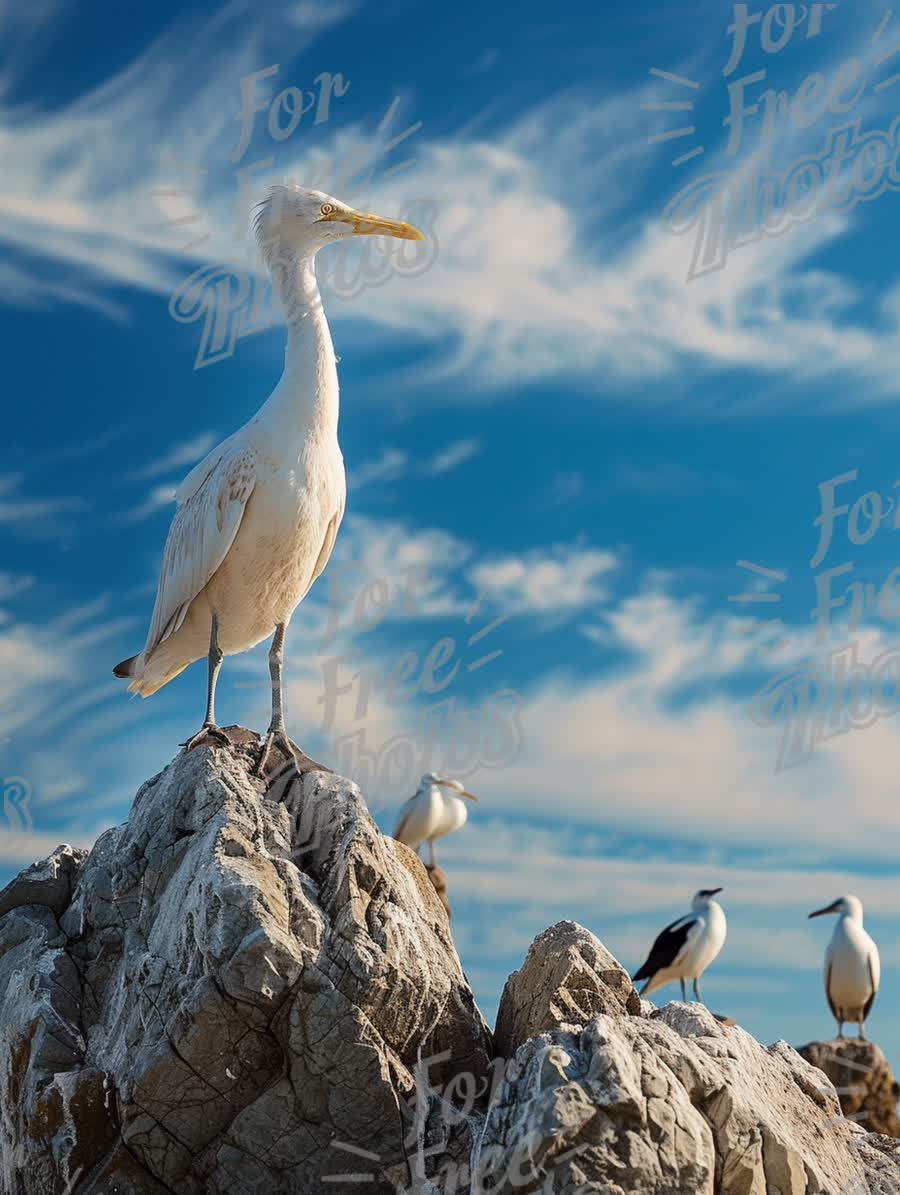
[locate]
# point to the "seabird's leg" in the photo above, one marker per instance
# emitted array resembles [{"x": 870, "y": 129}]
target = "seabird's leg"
[
  {"x": 683, "y": 990},
  {"x": 432, "y": 856},
  {"x": 862, "y": 1036},
  {"x": 277, "y": 732},
  {"x": 209, "y": 729},
  {"x": 841, "y": 1030},
  {"x": 697, "y": 989}
]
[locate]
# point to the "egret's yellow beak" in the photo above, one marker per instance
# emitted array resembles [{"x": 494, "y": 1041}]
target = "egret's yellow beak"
[
  {"x": 457, "y": 788},
  {"x": 365, "y": 224}
]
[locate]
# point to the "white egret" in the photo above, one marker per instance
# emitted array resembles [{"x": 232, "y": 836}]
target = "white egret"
[
  {"x": 256, "y": 520},
  {"x": 852, "y": 965},
  {"x": 436, "y": 809},
  {"x": 686, "y": 948}
]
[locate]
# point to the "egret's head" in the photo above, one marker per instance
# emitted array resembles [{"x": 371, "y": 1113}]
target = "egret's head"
[
  {"x": 845, "y": 906},
  {"x": 430, "y": 778},
  {"x": 302, "y": 221},
  {"x": 703, "y": 897}
]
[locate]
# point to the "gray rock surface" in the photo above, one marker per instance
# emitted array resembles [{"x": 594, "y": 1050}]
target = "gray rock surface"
[
  {"x": 568, "y": 977},
  {"x": 224, "y": 993},
  {"x": 238, "y": 993},
  {"x": 675, "y": 1103},
  {"x": 864, "y": 1082}
]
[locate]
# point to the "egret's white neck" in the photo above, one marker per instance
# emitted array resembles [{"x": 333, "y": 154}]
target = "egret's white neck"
[{"x": 308, "y": 388}]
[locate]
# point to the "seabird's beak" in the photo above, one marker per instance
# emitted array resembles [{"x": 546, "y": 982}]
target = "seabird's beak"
[
  {"x": 714, "y": 891},
  {"x": 365, "y": 224},
  {"x": 457, "y": 788},
  {"x": 832, "y": 908}
]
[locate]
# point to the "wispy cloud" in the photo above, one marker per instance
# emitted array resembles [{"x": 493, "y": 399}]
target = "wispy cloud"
[
  {"x": 180, "y": 454},
  {"x": 11, "y": 585},
  {"x": 395, "y": 463},
  {"x": 452, "y": 456},
  {"x": 158, "y": 498},
  {"x": 587, "y": 283},
  {"x": 391, "y": 465},
  {"x": 565, "y": 578},
  {"x": 38, "y": 516},
  {"x": 75, "y": 450}
]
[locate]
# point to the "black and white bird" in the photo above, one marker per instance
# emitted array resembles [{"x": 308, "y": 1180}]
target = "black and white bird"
[
  {"x": 852, "y": 965},
  {"x": 685, "y": 948}
]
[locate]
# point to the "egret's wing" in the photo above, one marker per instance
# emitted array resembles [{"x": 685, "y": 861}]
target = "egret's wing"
[
  {"x": 202, "y": 470},
  {"x": 202, "y": 531},
  {"x": 327, "y": 547},
  {"x": 413, "y": 827}
]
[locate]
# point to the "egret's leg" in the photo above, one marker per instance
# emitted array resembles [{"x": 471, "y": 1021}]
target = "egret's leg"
[
  {"x": 277, "y": 732},
  {"x": 276, "y": 662},
  {"x": 697, "y": 990},
  {"x": 209, "y": 729},
  {"x": 683, "y": 992}
]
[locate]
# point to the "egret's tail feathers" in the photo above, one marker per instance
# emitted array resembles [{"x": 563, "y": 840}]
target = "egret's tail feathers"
[{"x": 149, "y": 675}]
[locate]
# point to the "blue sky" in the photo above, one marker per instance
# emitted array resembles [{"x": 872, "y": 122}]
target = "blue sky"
[{"x": 549, "y": 421}]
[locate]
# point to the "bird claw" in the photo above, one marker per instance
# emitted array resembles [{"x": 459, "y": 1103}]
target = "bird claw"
[
  {"x": 272, "y": 738},
  {"x": 206, "y": 732}
]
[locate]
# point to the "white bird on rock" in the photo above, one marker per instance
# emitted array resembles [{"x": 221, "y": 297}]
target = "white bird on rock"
[
  {"x": 686, "y": 948},
  {"x": 852, "y": 965},
  {"x": 433, "y": 812},
  {"x": 256, "y": 520}
]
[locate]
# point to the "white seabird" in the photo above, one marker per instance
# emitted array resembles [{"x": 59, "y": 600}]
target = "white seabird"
[
  {"x": 257, "y": 519},
  {"x": 685, "y": 948},
  {"x": 433, "y": 812},
  {"x": 852, "y": 965}
]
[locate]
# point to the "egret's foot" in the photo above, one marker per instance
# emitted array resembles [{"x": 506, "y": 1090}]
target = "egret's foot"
[
  {"x": 208, "y": 731},
  {"x": 280, "y": 739}
]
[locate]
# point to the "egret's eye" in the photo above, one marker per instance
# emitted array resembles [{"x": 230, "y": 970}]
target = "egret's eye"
[{"x": 326, "y": 209}]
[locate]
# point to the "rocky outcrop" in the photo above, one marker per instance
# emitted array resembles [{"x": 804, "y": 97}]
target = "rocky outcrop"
[
  {"x": 676, "y": 1102},
  {"x": 634, "y": 1099},
  {"x": 865, "y": 1085},
  {"x": 228, "y": 994},
  {"x": 567, "y": 978},
  {"x": 247, "y": 988}
]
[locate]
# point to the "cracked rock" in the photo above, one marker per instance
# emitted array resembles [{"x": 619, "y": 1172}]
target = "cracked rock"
[
  {"x": 237, "y": 993},
  {"x": 224, "y": 993}
]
